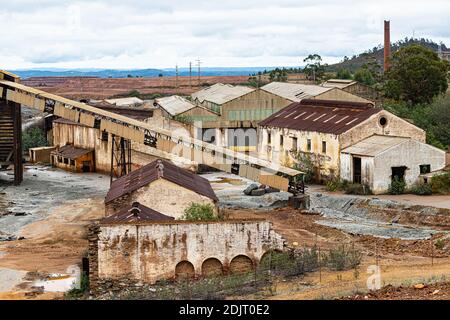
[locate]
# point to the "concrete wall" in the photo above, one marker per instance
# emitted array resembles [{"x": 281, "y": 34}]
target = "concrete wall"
[
  {"x": 41, "y": 155},
  {"x": 150, "y": 252},
  {"x": 163, "y": 196},
  {"x": 328, "y": 163},
  {"x": 411, "y": 154},
  {"x": 367, "y": 168},
  {"x": 395, "y": 126}
]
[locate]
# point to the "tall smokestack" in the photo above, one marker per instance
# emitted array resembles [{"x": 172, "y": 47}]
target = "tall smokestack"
[{"x": 387, "y": 45}]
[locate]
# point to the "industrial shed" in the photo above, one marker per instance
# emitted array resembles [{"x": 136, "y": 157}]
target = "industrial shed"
[
  {"x": 73, "y": 159},
  {"x": 162, "y": 186},
  {"x": 377, "y": 160},
  {"x": 173, "y": 105}
]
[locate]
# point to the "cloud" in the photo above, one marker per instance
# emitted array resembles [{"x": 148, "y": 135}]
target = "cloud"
[{"x": 148, "y": 34}]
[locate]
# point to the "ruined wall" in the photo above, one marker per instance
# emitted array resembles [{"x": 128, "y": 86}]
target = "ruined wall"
[
  {"x": 411, "y": 154},
  {"x": 395, "y": 126},
  {"x": 163, "y": 196},
  {"x": 367, "y": 168},
  {"x": 145, "y": 253}
]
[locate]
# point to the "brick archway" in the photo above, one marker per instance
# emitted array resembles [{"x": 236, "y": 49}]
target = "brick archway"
[
  {"x": 241, "y": 264},
  {"x": 212, "y": 267},
  {"x": 184, "y": 270}
]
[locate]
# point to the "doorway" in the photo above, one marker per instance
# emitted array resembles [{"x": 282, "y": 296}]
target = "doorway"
[
  {"x": 398, "y": 172},
  {"x": 86, "y": 166},
  {"x": 356, "y": 170}
]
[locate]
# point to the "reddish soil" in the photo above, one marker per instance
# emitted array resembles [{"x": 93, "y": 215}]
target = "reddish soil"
[
  {"x": 436, "y": 291},
  {"x": 100, "y": 88}
]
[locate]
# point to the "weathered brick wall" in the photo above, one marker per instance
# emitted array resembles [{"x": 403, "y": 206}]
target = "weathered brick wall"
[{"x": 138, "y": 254}]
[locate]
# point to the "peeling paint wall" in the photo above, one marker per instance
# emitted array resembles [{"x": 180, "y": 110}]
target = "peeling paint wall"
[
  {"x": 151, "y": 252},
  {"x": 163, "y": 196}
]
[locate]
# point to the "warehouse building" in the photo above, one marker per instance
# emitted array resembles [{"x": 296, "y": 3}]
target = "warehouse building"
[
  {"x": 73, "y": 159},
  {"x": 353, "y": 87},
  {"x": 321, "y": 129}
]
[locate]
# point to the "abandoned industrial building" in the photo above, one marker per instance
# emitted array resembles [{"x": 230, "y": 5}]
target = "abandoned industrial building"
[
  {"x": 73, "y": 159},
  {"x": 376, "y": 160},
  {"x": 353, "y": 87},
  {"x": 324, "y": 129},
  {"x": 134, "y": 247},
  {"x": 162, "y": 186},
  {"x": 294, "y": 92}
]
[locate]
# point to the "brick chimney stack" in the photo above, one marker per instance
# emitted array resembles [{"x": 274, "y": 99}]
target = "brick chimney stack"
[{"x": 387, "y": 45}]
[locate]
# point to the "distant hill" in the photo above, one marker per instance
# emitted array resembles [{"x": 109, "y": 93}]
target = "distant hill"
[
  {"x": 146, "y": 73},
  {"x": 377, "y": 53}
]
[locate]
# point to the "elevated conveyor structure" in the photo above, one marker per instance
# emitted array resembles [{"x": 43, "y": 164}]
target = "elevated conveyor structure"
[{"x": 15, "y": 94}]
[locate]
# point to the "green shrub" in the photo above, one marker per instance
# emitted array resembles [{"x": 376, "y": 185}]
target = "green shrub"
[
  {"x": 441, "y": 183},
  {"x": 342, "y": 258},
  {"x": 82, "y": 291},
  {"x": 199, "y": 212},
  {"x": 32, "y": 138},
  {"x": 357, "y": 188},
  {"x": 397, "y": 186},
  {"x": 423, "y": 189}
]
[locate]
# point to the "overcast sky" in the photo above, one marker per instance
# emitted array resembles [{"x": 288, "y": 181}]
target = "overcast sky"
[{"x": 229, "y": 33}]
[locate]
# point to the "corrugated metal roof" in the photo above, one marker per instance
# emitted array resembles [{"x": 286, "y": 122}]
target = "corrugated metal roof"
[
  {"x": 338, "y": 83},
  {"x": 136, "y": 213},
  {"x": 374, "y": 145},
  {"x": 70, "y": 152},
  {"x": 293, "y": 91},
  {"x": 220, "y": 93},
  {"x": 327, "y": 116},
  {"x": 174, "y": 105},
  {"x": 149, "y": 173},
  {"x": 123, "y": 102}
]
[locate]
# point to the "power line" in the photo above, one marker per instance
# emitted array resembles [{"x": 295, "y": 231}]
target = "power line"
[{"x": 199, "y": 62}]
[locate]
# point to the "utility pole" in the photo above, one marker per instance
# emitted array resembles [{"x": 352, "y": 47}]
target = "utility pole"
[
  {"x": 176, "y": 77},
  {"x": 198, "y": 65},
  {"x": 190, "y": 74}
]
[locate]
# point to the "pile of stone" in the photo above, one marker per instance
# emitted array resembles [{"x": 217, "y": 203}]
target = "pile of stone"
[{"x": 256, "y": 191}]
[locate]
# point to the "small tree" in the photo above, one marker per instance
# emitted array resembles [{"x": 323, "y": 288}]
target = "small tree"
[
  {"x": 364, "y": 76},
  {"x": 314, "y": 68},
  {"x": 32, "y": 138},
  {"x": 199, "y": 212},
  {"x": 344, "y": 74}
]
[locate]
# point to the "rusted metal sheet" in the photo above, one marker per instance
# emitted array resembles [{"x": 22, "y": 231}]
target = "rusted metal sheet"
[
  {"x": 149, "y": 173},
  {"x": 327, "y": 116},
  {"x": 71, "y": 152},
  {"x": 136, "y": 213}
]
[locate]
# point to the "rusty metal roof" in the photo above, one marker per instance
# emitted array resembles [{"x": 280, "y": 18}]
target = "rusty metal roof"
[
  {"x": 327, "y": 116},
  {"x": 294, "y": 91},
  {"x": 71, "y": 152},
  {"x": 150, "y": 172},
  {"x": 136, "y": 213}
]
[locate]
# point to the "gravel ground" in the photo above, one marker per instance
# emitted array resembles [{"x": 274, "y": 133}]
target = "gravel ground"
[{"x": 43, "y": 189}]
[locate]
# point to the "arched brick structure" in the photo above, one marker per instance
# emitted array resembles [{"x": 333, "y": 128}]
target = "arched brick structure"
[
  {"x": 241, "y": 264},
  {"x": 212, "y": 267},
  {"x": 184, "y": 270}
]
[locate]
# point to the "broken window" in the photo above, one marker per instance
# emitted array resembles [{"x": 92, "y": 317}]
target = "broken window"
[
  {"x": 425, "y": 168},
  {"x": 308, "y": 145},
  {"x": 104, "y": 136},
  {"x": 281, "y": 140},
  {"x": 324, "y": 147},
  {"x": 66, "y": 161},
  {"x": 269, "y": 138},
  {"x": 72, "y": 162},
  {"x": 294, "y": 144}
]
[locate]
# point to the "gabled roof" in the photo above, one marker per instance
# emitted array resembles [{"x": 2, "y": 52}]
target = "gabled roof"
[
  {"x": 125, "y": 101},
  {"x": 374, "y": 145},
  {"x": 293, "y": 91},
  {"x": 160, "y": 169},
  {"x": 221, "y": 93},
  {"x": 136, "y": 213},
  {"x": 338, "y": 83},
  {"x": 327, "y": 116},
  {"x": 70, "y": 152},
  {"x": 174, "y": 105}
]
